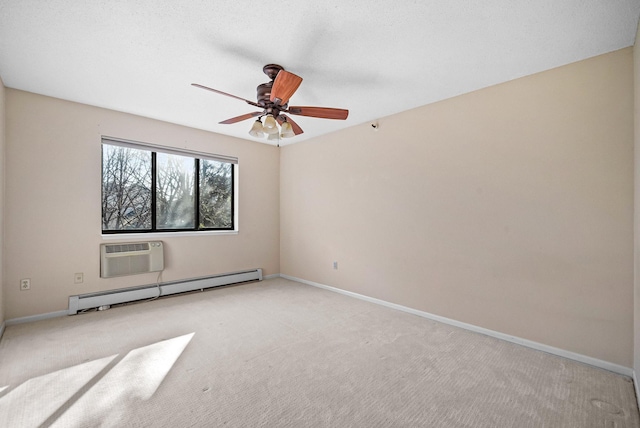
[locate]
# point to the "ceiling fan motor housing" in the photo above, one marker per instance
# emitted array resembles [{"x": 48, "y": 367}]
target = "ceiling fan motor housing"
[{"x": 264, "y": 99}]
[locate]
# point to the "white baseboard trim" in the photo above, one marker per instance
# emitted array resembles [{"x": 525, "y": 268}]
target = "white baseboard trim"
[
  {"x": 626, "y": 371},
  {"x": 273, "y": 275},
  {"x": 33, "y": 318}
]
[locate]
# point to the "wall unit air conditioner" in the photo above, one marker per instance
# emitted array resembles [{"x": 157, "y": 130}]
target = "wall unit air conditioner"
[{"x": 131, "y": 258}]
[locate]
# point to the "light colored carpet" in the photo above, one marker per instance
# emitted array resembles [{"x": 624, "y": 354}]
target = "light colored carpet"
[{"x": 283, "y": 354}]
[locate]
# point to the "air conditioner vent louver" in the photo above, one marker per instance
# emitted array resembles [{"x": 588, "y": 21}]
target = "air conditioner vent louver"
[
  {"x": 131, "y": 258},
  {"x": 121, "y": 248}
]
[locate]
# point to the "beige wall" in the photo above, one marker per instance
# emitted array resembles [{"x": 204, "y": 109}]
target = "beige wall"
[
  {"x": 510, "y": 208},
  {"x": 2, "y": 167},
  {"x": 636, "y": 234},
  {"x": 52, "y": 202}
]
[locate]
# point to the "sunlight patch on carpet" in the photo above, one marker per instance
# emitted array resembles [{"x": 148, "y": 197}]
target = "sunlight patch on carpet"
[
  {"x": 30, "y": 404},
  {"x": 135, "y": 378}
]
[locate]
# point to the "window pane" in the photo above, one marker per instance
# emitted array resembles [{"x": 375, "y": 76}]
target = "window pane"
[
  {"x": 126, "y": 188},
  {"x": 216, "y": 190},
  {"x": 174, "y": 192},
  {"x": 144, "y": 190}
]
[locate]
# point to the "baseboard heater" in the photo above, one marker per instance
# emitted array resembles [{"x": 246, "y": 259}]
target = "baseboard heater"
[{"x": 132, "y": 294}]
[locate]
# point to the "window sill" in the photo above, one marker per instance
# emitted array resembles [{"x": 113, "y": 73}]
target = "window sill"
[{"x": 158, "y": 235}]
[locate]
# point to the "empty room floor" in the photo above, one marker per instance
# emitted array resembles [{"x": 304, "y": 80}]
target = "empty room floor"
[{"x": 278, "y": 353}]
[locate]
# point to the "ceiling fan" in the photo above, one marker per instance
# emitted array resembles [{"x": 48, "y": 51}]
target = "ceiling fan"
[{"x": 273, "y": 98}]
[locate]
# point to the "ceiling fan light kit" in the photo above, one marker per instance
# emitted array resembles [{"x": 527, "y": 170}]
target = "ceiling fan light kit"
[
  {"x": 257, "y": 130},
  {"x": 287, "y": 130},
  {"x": 273, "y": 97},
  {"x": 270, "y": 125}
]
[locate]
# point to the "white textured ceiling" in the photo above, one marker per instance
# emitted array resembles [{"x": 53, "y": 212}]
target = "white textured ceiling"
[{"x": 373, "y": 58}]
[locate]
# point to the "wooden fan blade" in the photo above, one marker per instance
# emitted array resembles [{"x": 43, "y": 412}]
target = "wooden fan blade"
[
  {"x": 321, "y": 112},
  {"x": 224, "y": 93},
  {"x": 296, "y": 128},
  {"x": 241, "y": 118},
  {"x": 284, "y": 85}
]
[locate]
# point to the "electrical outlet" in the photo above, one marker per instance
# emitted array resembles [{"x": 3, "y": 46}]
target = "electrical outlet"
[
  {"x": 78, "y": 278},
  {"x": 25, "y": 284},
  {"x": 335, "y": 265}
]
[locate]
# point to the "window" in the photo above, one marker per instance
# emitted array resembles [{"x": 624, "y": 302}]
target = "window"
[{"x": 155, "y": 189}]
